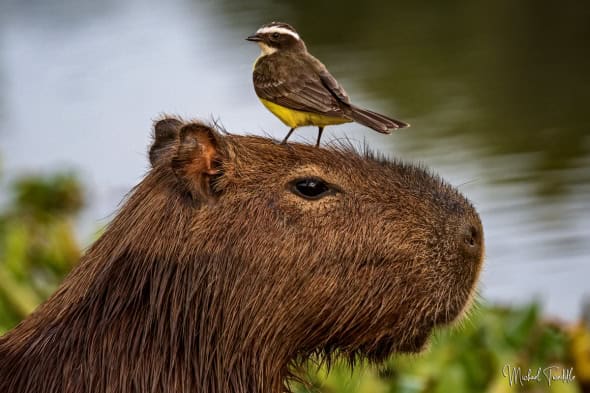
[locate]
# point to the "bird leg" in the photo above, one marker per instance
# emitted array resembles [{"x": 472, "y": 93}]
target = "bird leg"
[
  {"x": 320, "y": 130},
  {"x": 288, "y": 135}
]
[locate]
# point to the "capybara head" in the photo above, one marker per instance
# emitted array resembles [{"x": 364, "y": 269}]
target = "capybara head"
[{"x": 237, "y": 256}]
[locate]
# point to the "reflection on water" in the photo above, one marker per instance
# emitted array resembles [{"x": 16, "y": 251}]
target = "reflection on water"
[{"x": 497, "y": 95}]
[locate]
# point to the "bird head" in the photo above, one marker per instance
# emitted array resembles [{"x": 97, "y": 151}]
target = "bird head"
[{"x": 277, "y": 36}]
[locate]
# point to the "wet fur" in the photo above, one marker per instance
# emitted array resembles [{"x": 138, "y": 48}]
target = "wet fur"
[{"x": 215, "y": 277}]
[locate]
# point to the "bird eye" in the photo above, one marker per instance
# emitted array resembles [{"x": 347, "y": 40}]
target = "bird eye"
[
  {"x": 275, "y": 35},
  {"x": 311, "y": 188}
]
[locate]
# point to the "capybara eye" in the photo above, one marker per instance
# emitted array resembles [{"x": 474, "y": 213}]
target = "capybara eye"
[{"x": 311, "y": 188}]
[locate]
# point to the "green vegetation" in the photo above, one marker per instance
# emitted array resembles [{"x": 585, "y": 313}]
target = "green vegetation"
[
  {"x": 37, "y": 243},
  {"x": 38, "y": 247}
]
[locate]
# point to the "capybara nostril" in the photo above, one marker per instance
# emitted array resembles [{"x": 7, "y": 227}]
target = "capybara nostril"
[{"x": 471, "y": 237}]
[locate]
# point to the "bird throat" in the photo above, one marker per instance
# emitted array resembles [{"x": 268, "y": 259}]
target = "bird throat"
[{"x": 265, "y": 49}]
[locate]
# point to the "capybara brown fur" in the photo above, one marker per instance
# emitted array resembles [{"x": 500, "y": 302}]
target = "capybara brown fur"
[{"x": 237, "y": 258}]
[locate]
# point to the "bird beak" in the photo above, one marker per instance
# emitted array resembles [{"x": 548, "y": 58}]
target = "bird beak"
[{"x": 254, "y": 38}]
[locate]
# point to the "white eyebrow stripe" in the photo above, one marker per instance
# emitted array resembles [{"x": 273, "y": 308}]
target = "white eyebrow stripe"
[{"x": 277, "y": 29}]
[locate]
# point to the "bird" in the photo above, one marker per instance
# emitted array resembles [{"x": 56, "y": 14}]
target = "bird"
[{"x": 298, "y": 88}]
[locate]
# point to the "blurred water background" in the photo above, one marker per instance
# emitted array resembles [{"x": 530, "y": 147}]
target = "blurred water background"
[{"x": 498, "y": 95}]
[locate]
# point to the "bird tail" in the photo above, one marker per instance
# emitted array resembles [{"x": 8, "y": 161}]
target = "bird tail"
[{"x": 374, "y": 120}]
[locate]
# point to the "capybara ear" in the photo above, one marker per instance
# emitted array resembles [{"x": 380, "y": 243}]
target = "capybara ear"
[
  {"x": 165, "y": 136},
  {"x": 197, "y": 160}
]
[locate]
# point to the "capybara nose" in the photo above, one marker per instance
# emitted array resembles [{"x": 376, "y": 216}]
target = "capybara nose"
[{"x": 471, "y": 238}]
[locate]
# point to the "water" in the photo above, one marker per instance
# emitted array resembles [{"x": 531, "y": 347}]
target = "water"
[{"x": 497, "y": 95}]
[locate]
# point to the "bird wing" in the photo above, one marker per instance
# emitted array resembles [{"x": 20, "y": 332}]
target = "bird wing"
[
  {"x": 302, "y": 88},
  {"x": 334, "y": 87}
]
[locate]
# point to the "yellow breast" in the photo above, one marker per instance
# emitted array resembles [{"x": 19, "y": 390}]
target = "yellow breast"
[{"x": 294, "y": 118}]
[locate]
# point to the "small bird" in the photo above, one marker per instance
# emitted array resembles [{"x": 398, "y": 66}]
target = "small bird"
[{"x": 298, "y": 89}]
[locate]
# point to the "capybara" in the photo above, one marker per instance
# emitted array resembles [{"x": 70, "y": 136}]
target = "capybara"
[{"x": 237, "y": 258}]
